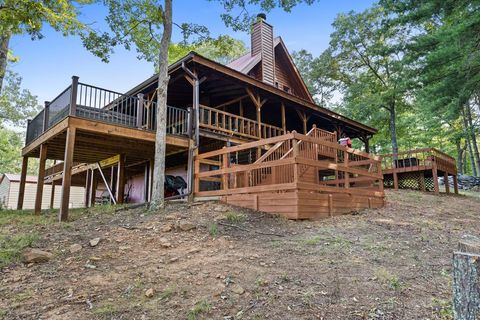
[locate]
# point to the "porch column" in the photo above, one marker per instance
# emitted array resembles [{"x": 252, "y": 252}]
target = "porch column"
[
  {"x": 121, "y": 179},
  {"x": 67, "y": 174},
  {"x": 41, "y": 177},
  {"x": 23, "y": 179},
  {"x": 284, "y": 122},
  {"x": 304, "y": 118},
  {"x": 367, "y": 144}
]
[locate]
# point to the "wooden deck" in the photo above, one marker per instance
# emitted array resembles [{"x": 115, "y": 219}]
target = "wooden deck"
[
  {"x": 419, "y": 169},
  {"x": 299, "y": 176}
]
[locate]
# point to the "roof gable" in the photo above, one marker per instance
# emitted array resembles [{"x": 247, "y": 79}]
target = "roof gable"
[{"x": 287, "y": 76}]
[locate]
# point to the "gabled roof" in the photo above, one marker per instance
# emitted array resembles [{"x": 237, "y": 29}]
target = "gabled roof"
[
  {"x": 247, "y": 62},
  {"x": 16, "y": 178},
  {"x": 224, "y": 69}
]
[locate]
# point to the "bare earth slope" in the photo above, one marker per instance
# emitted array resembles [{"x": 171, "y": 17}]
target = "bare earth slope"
[{"x": 392, "y": 263}]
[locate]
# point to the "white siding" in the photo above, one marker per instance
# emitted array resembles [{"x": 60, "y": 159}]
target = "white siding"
[
  {"x": 77, "y": 195},
  {"x": 4, "y": 187}
]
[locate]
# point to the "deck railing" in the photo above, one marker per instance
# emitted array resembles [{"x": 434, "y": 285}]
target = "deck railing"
[
  {"x": 418, "y": 159},
  {"x": 91, "y": 102},
  {"x": 291, "y": 161},
  {"x": 234, "y": 125}
]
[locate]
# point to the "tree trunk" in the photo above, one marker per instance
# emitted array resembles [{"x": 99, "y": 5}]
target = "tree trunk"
[
  {"x": 469, "y": 142},
  {"x": 471, "y": 130},
  {"x": 4, "y": 40},
  {"x": 460, "y": 153},
  {"x": 393, "y": 129},
  {"x": 157, "y": 201}
]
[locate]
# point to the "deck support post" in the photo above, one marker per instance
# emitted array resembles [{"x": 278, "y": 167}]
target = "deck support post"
[
  {"x": 146, "y": 182},
  {"x": 196, "y": 171},
  {"x": 120, "y": 179},
  {"x": 151, "y": 165},
  {"x": 395, "y": 181},
  {"x": 52, "y": 195},
  {"x": 421, "y": 177},
  {"x": 40, "y": 180},
  {"x": 93, "y": 188},
  {"x": 190, "y": 169},
  {"x": 435, "y": 178},
  {"x": 284, "y": 122},
  {"x": 455, "y": 183},
  {"x": 23, "y": 180},
  {"x": 88, "y": 177},
  {"x": 67, "y": 174},
  {"x": 445, "y": 180}
]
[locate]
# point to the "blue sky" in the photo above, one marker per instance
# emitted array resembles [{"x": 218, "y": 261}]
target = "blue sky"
[{"x": 47, "y": 65}]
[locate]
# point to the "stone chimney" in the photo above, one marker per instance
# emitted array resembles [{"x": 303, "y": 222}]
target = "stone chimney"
[{"x": 262, "y": 43}]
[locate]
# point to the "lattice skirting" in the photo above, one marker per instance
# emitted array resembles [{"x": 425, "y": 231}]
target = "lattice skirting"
[{"x": 409, "y": 180}]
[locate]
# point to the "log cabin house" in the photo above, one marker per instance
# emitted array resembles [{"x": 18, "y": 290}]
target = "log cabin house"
[{"x": 248, "y": 133}]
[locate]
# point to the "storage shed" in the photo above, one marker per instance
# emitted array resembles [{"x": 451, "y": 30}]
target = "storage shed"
[{"x": 9, "y": 187}]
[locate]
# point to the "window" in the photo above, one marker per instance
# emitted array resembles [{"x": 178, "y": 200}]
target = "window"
[{"x": 286, "y": 89}]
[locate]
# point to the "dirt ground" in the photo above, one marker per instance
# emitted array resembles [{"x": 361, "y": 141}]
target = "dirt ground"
[{"x": 391, "y": 263}]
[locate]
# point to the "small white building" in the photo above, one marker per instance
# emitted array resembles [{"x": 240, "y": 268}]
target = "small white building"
[{"x": 9, "y": 187}]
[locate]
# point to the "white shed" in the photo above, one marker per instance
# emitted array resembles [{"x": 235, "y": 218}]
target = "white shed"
[{"x": 9, "y": 187}]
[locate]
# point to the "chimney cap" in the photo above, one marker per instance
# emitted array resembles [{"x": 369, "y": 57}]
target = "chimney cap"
[{"x": 262, "y": 16}]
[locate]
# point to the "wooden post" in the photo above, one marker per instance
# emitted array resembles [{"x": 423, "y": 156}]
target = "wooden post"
[
  {"x": 445, "y": 180},
  {"x": 422, "y": 181},
  {"x": 140, "y": 107},
  {"x": 41, "y": 177},
  {"x": 346, "y": 184},
  {"x": 455, "y": 183},
  {"x": 284, "y": 122},
  {"x": 241, "y": 111},
  {"x": 93, "y": 188},
  {"x": 295, "y": 155},
  {"x": 52, "y": 195},
  {"x": 435, "y": 178},
  {"x": 73, "y": 96},
  {"x": 466, "y": 281},
  {"x": 87, "y": 188},
  {"x": 146, "y": 183},
  {"x": 196, "y": 171},
  {"x": 67, "y": 174},
  {"x": 45, "y": 116},
  {"x": 151, "y": 168},
  {"x": 225, "y": 166},
  {"x": 121, "y": 179},
  {"x": 330, "y": 205},
  {"x": 367, "y": 145},
  {"x": 191, "y": 169},
  {"x": 259, "y": 122},
  {"x": 23, "y": 179},
  {"x": 395, "y": 180}
]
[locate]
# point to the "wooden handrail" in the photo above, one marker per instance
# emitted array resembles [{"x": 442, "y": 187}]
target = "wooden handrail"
[{"x": 263, "y": 175}]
